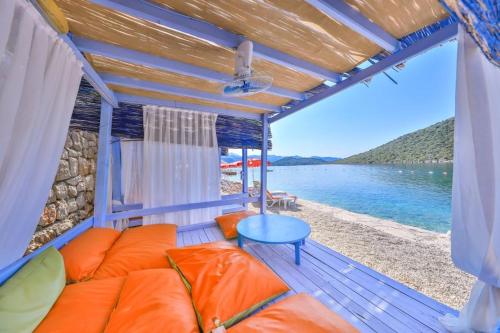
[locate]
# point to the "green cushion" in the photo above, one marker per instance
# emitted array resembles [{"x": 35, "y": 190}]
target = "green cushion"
[{"x": 26, "y": 298}]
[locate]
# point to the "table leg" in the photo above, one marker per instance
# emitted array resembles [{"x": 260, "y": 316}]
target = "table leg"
[
  {"x": 240, "y": 241},
  {"x": 304, "y": 241},
  {"x": 297, "y": 252}
]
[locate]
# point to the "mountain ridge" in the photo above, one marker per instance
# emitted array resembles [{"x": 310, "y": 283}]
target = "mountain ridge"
[{"x": 432, "y": 144}]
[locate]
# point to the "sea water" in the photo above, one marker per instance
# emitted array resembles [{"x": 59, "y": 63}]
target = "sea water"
[{"x": 416, "y": 195}]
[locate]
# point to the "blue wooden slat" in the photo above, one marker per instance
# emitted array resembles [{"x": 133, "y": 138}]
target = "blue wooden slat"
[
  {"x": 103, "y": 162},
  {"x": 145, "y": 59},
  {"x": 350, "y": 17},
  {"x": 418, "y": 47},
  {"x": 302, "y": 283},
  {"x": 378, "y": 307},
  {"x": 7, "y": 272},
  {"x": 116, "y": 166},
  {"x": 135, "y": 99},
  {"x": 429, "y": 302},
  {"x": 263, "y": 166},
  {"x": 180, "y": 91},
  {"x": 176, "y": 208},
  {"x": 209, "y": 32}
]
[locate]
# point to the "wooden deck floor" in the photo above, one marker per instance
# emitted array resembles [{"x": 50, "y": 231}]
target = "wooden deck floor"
[{"x": 368, "y": 299}]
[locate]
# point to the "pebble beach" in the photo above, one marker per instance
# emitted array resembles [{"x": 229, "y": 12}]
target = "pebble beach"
[{"x": 419, "y": 258}]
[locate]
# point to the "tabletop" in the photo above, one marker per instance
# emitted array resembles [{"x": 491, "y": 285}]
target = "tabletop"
[{"x": 273, "y": 228}]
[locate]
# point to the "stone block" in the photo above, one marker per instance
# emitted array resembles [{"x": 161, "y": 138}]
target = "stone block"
[
  {"x": 49, "y": 215},
  {"x": 52, "y": 197},
  {"x": 61, "y": 210},
  {"x": 72, "y": 206},
  {"x": 81, "y": 200},
  {"x": 83, "y": 166},
  {"x": 89, "y": 182},
  {"x": 63, "y": 172},
  {"x": 75, "y": 180},
  {"x": 73, "y": 166},
  {"x": 72, "y": 191},
  {"x": 74, "y": 153},
  {"x": 89, "y": 196},
  {"x": 61, "y": 191},
  {"x": 80, "y": 187}
]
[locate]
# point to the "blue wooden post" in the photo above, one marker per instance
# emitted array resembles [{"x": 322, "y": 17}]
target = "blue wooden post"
[
  {"x": 116, "y": 167},
  {"x": 263, "y": 167},
  {"x": 103, "y": 160},
  {"x": 244, "y": 174}
]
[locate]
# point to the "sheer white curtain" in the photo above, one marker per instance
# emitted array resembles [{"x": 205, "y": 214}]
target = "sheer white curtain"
[
  {"x": 475, "y": 236},
  {"x": 132, "y": 170},
  {"x": 181, "y": 163},
  {"x": 39, "y": 80}
]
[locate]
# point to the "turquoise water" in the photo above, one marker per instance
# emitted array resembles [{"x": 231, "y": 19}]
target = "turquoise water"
[{"x": 417, "y": 195}]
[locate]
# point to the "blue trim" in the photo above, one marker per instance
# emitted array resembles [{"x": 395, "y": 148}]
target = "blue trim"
[
  {"x": 116, "y": 165},
  {"x": 60, "y": 241},
  {"x": 244, "y": 173},
  {"x": 263, "y": 165},
  {"x": 103, "y": 160},
  {"x": 91, "y": 75},
  {"x": 161, "y": 15},
  {"x": 440, "y": 36},
  {"x": 168, "y": 89},
  {"x": 145, "y": 59},
  {"x": 176, "y": 208},
  {"x": 141, "y": 100},
  {"x": 350, "y": 17}
]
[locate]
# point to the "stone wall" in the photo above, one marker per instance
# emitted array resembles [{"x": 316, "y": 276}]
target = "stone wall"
[{"x": 71, "y": 197}]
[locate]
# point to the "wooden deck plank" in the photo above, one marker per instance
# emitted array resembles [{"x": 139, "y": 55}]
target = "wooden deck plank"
[
  {"x": 397, "y": 319},
  {"x": 351, "y": 311},
  {"x": 413, "y": 307},
  {"x": 371, "y": 301},
  {"x": 431, "y": 303}
]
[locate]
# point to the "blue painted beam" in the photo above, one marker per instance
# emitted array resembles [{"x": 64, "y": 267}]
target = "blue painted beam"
[
  {"x": 244, "y": 172},
  {"x": 116, "y": 174},
  {"x": 263, "y": 164},
  {"x": 353, "y": 19},
  {"x": 145, "y": 59},
  {"x": 177, "y": 208},
  {"x": 206, "y": 31},
  {"x": 103, "y": 160},
  {"x": 180, "y": 91},
  {"x": 418, "y": 47},
  {"x": 142, "y": 100},
  {"x": 58, "y": 242}
]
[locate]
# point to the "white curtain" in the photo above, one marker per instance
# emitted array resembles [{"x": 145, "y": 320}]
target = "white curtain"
[
  {"x": 132, "y": 170},
  {"x": 39, "y": 80},
  {"x": 181, "y": 163},
  {"x": 475, "y": 233}
]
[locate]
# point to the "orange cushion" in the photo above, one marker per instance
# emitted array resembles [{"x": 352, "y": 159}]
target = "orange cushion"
[
  {"x": 83, "y": 307},
  {"x": 298, "y": 313},
  {"x": 83, "y": 255},
  {"x": 153, "y": 300},
  {"x": 227, "y": 223},
  {"x": 138, "y": 248},
  {"x": 226, "y": 283}
]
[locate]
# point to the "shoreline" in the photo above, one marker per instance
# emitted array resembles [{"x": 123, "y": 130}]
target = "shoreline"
[{"x": 416, "y": 257}]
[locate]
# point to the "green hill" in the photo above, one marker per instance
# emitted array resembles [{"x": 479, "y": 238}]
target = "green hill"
[
  {"x": 430, "y": 144},
  {"x": 296, "y": 160}
]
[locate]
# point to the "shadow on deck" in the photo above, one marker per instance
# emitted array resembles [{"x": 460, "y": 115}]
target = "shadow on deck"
[{"x": 369, "y": 300}]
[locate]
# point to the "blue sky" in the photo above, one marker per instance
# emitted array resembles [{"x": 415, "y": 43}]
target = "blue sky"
[{"x": 361, "y": 117}]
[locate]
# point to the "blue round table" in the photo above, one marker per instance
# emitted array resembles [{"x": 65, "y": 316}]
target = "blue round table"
[{"x": 274, "y": 229}]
